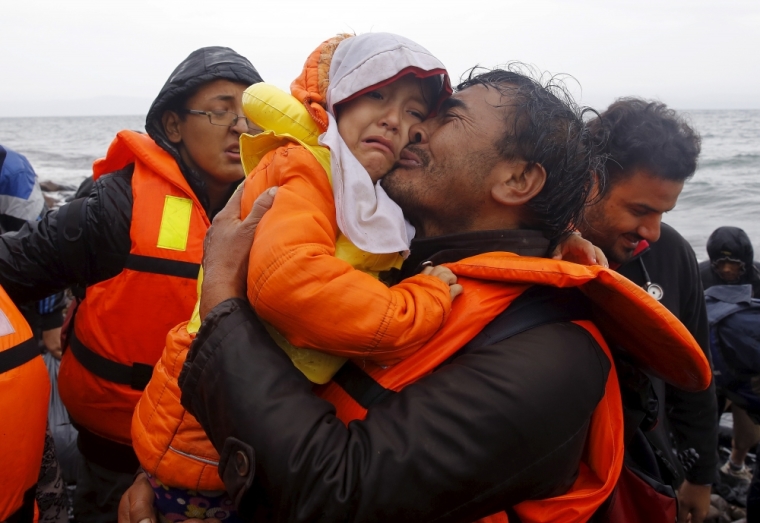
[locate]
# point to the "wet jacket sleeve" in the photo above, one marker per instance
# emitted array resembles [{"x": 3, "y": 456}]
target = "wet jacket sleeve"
[
  {"x": 693, "y": 415},
  {"x": 37, "y": 261},
  {"x": 491, "y": 428},
  {"x": 292, "y": 267},
  {"x": 51, "y": 311}
]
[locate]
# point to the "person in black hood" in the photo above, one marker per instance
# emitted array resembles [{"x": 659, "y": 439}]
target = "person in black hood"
[
  {"x": 731, "y": 260},
  {"x": 135, "y": 244},
  {"x": 732, "y": 263},
  {"x": 199, "y": 69}
]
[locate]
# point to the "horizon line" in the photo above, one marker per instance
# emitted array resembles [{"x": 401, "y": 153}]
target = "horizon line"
[{"x": 145, "y": 114}]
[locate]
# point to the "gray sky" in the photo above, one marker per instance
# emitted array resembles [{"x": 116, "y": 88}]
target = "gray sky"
[{"x": 112, "y": 56}]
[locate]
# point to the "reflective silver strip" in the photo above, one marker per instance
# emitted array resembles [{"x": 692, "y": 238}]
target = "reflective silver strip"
[
  {"x": 196, "y": 458},
  {"x": 28, "y": 209},
  {"x": 5, "y": 325}
]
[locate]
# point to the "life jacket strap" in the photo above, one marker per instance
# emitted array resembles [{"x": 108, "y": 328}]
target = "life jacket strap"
[
  {"x": 181, "y": 269},
  {"x": 18, "y": 355},
  {"x": 25, "y": 514},
  {"x": 539, "y": 305},
  {"x": 110, "y": 455},
  {"x": 136, "y": 375},
  {"x": 359, "y": 385},
  {"x": 72, "y": 241}
]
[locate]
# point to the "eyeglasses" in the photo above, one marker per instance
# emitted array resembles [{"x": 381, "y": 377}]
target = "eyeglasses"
[{"x": 225, "y": 119}]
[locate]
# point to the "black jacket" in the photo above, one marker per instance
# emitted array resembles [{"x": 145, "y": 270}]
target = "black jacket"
[
  {"x": 38, "y": 261},
  {"x": 492, "y": 427},
  {"x": 692, "y": 417},
  {"x": 21, "y": 201}
]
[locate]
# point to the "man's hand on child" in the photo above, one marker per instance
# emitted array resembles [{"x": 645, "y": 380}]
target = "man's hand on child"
[
  {"x": 579, "y": 250},
  {"x": 447, "y": 277},
  {"x": 226, "y": 250}
]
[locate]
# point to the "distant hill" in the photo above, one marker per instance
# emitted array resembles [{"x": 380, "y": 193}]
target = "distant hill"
[{"x": 99, "y": 106}]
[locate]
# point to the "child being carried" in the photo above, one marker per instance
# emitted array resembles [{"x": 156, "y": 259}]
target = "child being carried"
[{"x": 315, "y": 261}]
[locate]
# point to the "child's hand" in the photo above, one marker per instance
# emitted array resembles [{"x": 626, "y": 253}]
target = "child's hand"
[
  {"x": 447, "y": 277},
  {"x": 576, "y": 249}
]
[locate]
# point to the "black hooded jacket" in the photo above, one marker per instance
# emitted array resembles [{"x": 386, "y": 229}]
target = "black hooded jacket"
[
  {"x": 493, "y": 426},
  {"x": 38, "y": 261},
  {"x": 731, "y": 242}
]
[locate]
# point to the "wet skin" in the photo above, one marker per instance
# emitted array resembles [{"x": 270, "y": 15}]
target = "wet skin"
[
  {"x": 375, "y": 125},
  {"x": 450, "y": 177},
  {"x": 729, "y": 270},
  {"x": 630, "y": 212},
  {"x": 212, "y": 151}
]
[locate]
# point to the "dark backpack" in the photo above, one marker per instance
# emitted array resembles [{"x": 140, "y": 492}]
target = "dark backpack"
[{"x": 734, "y": 318}]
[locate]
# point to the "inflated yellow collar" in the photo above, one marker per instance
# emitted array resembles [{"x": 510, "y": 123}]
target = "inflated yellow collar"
[{"x": 283, "y": 119}]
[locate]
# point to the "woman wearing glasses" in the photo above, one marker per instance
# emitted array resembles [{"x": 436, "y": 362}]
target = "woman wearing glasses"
[{"x": 135, "y": 243}]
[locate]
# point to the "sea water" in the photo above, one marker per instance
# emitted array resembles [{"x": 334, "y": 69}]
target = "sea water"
[{"x": 724, "y": 191}]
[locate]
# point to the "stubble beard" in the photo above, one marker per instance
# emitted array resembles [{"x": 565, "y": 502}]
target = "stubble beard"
[
  {"x": 595, "y": 230},
  {"x": 440, "y": 199},
  {"x": 406, "y": 193}
]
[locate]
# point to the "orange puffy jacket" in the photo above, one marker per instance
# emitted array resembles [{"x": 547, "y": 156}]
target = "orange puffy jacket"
[
  {"x": 114, "y": 348},
  {"x": 184, "y": 457},
  {"x": 293, "y": 267},
  {"x": 24, "y": 396}
]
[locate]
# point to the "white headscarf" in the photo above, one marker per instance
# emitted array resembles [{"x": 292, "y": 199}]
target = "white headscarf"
[{"x": 365, "y": 214}]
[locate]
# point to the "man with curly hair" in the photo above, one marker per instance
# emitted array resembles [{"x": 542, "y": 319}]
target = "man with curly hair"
[
  {"x": 650, "y": 152},
  {"x": 477, "y": 423}
]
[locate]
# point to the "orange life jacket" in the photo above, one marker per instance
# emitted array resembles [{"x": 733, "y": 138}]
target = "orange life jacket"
[
  {"x": 120, "y": 326},
  {"x": 182, "y": 456},
  {"x": 24, "y": 396}
]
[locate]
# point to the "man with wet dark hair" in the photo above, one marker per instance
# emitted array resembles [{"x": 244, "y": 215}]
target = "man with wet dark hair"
[
  {"x": 542, "y": 128},
  {"x": 650, "y": 152},
  {"x": 646, "y": 146},
  {"x": 477, "y": 422}
]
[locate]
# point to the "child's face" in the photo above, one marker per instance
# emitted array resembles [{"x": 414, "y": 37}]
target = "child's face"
[{"x": 375, "y": 125}]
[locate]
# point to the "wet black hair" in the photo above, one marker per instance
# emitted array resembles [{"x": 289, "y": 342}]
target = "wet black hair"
[
  {"x": 644, "y": 134},
  {"x": 545, "y": 126}
]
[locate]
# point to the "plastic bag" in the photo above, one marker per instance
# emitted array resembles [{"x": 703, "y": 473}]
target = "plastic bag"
[{"x": 64, "y": 433}]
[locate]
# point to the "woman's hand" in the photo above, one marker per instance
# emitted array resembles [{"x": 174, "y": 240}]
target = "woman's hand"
[{"x": 226, "y": 250}]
